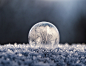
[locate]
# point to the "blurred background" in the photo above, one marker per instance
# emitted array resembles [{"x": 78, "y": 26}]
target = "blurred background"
[{"x": 18, "y": 16}]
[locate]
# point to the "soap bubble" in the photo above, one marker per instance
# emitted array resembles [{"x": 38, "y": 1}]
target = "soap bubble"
[{"x": 43, "y": 33}]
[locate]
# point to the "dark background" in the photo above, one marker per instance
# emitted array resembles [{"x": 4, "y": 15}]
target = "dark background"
[{"x": 18, "y": 16}]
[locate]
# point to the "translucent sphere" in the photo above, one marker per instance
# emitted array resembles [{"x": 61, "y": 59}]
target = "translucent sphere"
[{"x": 43, "y": 33}]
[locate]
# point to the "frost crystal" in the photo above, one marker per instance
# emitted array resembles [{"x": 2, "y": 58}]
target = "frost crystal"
[{"x": 43, "y": 33}]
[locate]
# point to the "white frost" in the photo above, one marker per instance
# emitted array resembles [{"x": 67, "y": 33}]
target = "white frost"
[{"x": 58, "y": 55}]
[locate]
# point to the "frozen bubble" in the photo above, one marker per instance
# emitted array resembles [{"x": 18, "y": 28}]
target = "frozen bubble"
[{"x": 43, "y": 33}]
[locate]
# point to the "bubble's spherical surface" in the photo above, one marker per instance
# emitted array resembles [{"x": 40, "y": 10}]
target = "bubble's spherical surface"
[{"x": 43, "y": 33}]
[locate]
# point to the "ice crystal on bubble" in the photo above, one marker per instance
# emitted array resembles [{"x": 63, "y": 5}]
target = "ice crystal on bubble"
[{"x": 43, "y": 33}]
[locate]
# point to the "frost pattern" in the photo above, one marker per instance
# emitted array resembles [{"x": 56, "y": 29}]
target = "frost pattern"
[{"x": 43, "y": 33}]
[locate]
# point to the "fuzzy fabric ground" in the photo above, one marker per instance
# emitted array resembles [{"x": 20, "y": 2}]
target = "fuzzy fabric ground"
[{"x": 59, "y": 55}]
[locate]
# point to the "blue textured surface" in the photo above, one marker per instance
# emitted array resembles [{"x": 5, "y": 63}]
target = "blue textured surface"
[{"x": 25, "y": 55}]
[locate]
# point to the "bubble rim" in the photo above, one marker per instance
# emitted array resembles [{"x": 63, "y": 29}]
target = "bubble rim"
[{"x": 41, "y": 23}]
